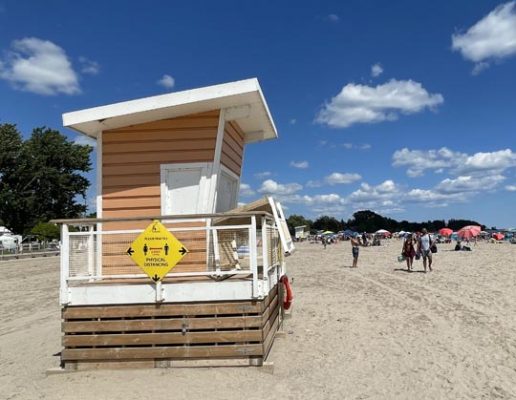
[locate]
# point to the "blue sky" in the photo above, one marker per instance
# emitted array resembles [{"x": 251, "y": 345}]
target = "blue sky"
[{"x": 406, "y": 108}]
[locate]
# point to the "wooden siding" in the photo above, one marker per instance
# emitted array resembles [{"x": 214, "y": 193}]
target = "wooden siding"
[
  {"x": 232, "y": 147},
  {"x": 131, "y": 159},
  {"x": 125, "y": 333}
]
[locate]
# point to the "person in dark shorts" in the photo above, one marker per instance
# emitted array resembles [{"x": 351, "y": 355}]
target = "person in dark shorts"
[{"x": 355, "y": 243}]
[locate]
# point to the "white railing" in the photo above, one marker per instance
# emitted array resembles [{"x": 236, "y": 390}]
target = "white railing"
[{"x": 220, "y": 246}]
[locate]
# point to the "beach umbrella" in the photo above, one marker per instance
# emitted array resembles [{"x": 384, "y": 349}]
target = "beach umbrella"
[
  {"x": 498, "y": 236},
  {"x": 469, "y": 231},
  {"x": 328, "y": 233},
  {"x": 383, "y": 232},
  {"x": 445, "y": 231}
]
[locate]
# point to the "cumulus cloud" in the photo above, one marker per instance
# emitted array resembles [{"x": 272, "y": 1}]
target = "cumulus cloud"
[
  {"x": 274, "y": 188},
  {"x": 85, "y": 140},
  {"x": 463, "y": 184},
  {"x": 88, "y": 66},
  {"x": 166, "y": 81},
  {"x": 418, "y": 161},
  {"x": 336, "y": 178},
  {"x": 491, "y": 38},
  {"x": 246, "y": 191},
  {"x": 299, "y": 164},
  {"x": 39, "y": 66},
  {"x": 333, "y": 18},
  {"x": 372, "y": 104},
  {"x": 376, "y": 70},
  {"x": 510, "y": 188}
]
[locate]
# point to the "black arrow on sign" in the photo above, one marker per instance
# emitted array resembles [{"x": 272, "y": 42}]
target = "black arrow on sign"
[
  {"x": 155, "y": 278},
  {"x": 182, "y": 251},
  {"x": 130, "y": 251}
]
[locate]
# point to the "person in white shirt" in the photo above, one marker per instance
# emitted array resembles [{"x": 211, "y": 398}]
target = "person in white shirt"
[{"x": 425, "y": 242}]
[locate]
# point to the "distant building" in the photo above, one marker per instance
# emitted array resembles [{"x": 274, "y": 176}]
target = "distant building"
[{"x": 300, "y": 232}]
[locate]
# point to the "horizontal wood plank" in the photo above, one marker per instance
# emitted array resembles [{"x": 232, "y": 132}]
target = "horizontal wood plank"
[
  {"x": 169, "y": 338},
  {"x": 163, "y": 352},
  {"x": 162, "y": 324}
]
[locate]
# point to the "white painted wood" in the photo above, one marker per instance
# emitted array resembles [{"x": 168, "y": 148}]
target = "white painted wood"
[
  {"x": 227, "y": 190},
  {"x": 238, "y": 112},
  {"x": 253, "y": 256},
  {"x": 170, "y": 275},
  {"x": 215, "y": 167},
  {"x": 65, "y": 265},
  {"x": 229, "y": 95},
  {"x": 91, "y": 251},
  {"x": 265, "y": 246},
  {"x": 98, "y": 245},
  {"x": 281, "y": 223},
  {"x": 96, "y": 294},
  {"x": 184, "y": 188}
]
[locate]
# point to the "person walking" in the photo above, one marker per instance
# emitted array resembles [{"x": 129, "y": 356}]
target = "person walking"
[
  {"x": 355, "y": 242},
  {"x": 425, "y": 242},
  {"x": 408, "y": 251}
]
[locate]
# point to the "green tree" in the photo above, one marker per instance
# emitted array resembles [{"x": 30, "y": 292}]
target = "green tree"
[
  {"x": 40, "y": 178},
  {"x": 298, "y": 220},
  {"x": 45, "y": 231},
  {"x": 327, "y": 223}
]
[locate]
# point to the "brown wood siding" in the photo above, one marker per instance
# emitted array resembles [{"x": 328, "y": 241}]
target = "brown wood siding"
[
  {"x": 232, "y": 147},
  {"x": 131, "y": 159}
]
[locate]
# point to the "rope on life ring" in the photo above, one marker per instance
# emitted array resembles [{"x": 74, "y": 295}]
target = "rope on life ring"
[{"x": 288, "y": 294}]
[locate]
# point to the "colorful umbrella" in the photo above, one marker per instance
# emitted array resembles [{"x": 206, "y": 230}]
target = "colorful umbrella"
[
  {"x": 469, "y": 231},
  {"x": 498, "y": 236},
  {"x": 445, "y": 232}
]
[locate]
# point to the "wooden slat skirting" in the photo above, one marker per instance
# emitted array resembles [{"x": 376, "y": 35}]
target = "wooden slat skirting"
[{"x": 142, "y": 335}]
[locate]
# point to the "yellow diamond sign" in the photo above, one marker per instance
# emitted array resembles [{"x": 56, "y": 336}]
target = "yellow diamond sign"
[{"x": 156, "y": 251}]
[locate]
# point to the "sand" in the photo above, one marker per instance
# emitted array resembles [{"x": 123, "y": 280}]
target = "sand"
[{"x": 375, "y": 332}]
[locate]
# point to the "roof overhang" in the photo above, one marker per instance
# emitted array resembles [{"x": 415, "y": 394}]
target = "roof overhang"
[{"x": 243, "y": 101}]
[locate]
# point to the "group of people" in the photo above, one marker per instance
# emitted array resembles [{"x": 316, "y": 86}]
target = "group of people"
[{"x": 418, "y": 246}]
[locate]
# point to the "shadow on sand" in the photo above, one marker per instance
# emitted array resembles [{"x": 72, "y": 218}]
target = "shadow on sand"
[{"x": 409, "y": 272}]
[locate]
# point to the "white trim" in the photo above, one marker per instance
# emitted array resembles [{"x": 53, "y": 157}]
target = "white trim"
[
  {"x": 225, "y": 170},
  {"x": 202, "y": 204},
  {"x": 100, "y": 203},
  {"x": 65, "y": 265},
  {"x": 228, "y": 95},
  {"x": 215, "y": 167},
  {"x": 96, "y": 294}
]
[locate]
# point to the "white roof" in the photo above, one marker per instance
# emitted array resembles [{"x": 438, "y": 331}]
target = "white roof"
[{"x": 244, "y": 99}]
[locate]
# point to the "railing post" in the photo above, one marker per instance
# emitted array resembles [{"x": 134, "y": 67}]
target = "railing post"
[
  {"x": 65, "y": 264},
  {"x": 91, "y": 252},
  {"x": 265, "y": 250},
  {"x": 253, "y": 256}
]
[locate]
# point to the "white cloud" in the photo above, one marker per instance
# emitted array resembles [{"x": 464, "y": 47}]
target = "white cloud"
[
  {"x": 262, "y": 175},
  {"x": 299, "y": 164},
  {"x": 371, "y": 104},
  {"x": 491, "y": 38},
  {"x": 245, "y": 190},
  {"x": 274, "y": 188},
  {"x": 333, "y": 18},
  {"x": 166, "y": 81},
  {"x": 39, "y": 66},
  {"x": 463, "y": 184},
  {"x": 349, "y": 146},
  {"x": 336, "y": 178},
  {"x": 293, "y": 121},
  {"x": 85, "y": 140},
  {"x": 418, "y": 161},
  {"x": 510, "y": 188},
  {"x": 376, "y": 70},
  {"x": 496, "y": 160},
  {"x": 88, "y": 66}
]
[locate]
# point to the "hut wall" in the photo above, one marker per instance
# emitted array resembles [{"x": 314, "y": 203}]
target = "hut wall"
[
  {"x": 233, "y": 147},
  {"x": 131, "y": 177}
]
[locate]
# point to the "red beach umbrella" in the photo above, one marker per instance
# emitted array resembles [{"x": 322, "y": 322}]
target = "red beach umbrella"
[
  {"x": 498, "y": 236},
  {"x": 445, "y": 231},
  {"x": 469, "y": 231}
]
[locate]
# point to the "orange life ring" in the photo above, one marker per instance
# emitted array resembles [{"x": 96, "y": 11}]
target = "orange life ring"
[{"x": 289, "y": 295}]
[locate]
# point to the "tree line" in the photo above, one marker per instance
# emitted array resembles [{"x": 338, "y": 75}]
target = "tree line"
[
  {"x": 369, "y": 221},
  {"x": 41, "y": 178}
]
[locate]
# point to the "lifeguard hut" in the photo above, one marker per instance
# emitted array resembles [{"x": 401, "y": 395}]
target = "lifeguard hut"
[{"x": 175, "y": 159}]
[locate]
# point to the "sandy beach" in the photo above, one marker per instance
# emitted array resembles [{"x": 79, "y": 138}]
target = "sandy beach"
[{"x": 376, "y": 332}]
